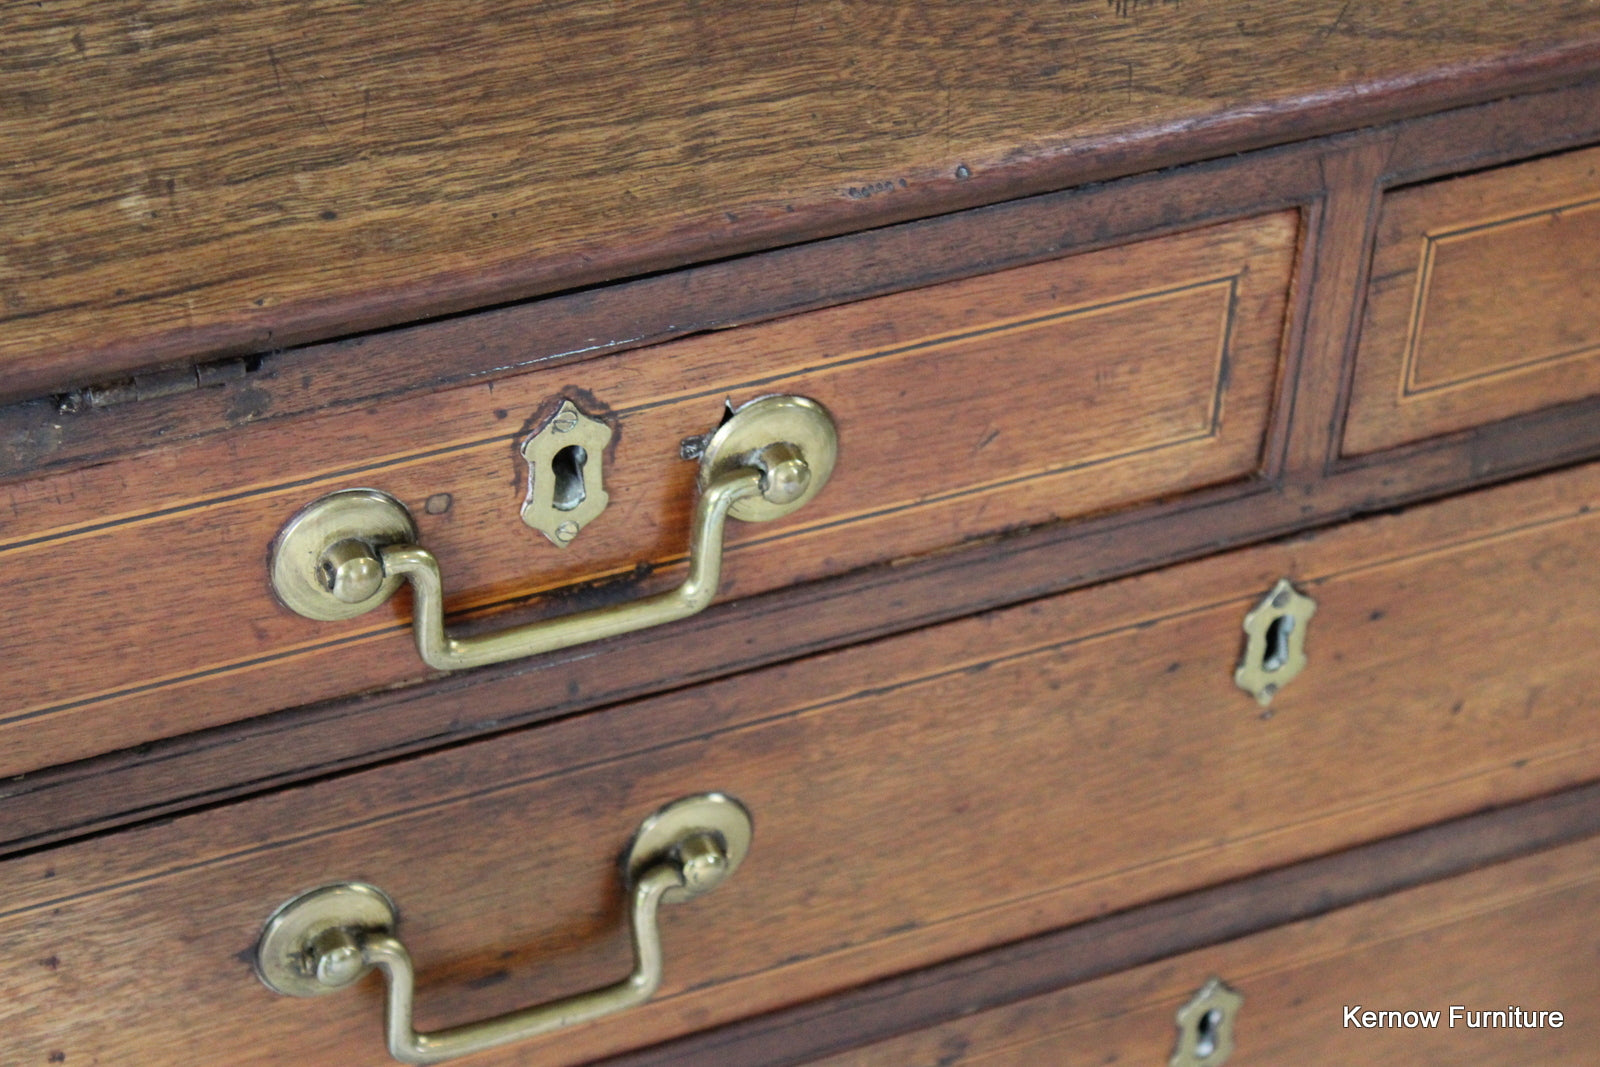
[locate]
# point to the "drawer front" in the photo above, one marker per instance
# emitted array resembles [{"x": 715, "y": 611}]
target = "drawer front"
[
  {"x": 964, "y": 410},
  {"x": 1483, "y": 304},
  {"x": 920, "y": 797},
  {"x": 1520, "y": 935}
]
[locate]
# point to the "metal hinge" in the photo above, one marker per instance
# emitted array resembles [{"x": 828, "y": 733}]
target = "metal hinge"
[{"x": 159, "y": 383}]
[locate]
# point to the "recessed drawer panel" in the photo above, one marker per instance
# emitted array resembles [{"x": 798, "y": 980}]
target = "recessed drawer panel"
[
  {"x": 926, "y": 795},
  {"x": 963, "y": 410},
  {"x": 1484, "y": 302},
  {"x": 1520, "y": 936}
]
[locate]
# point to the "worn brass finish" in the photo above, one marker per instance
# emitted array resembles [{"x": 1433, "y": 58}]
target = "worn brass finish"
[
  {"x": 440, "y": 650},
  {"x": 711, "y": 815},
  {"x": 284, "y": 959},
  {"x": 766, "y": 460},
  {"x": 1205, "y": 1027},
  {"x": 566, "y": 479},
  {"x": 329, "y": 938},
  {"x": 324, "y": 562},
  {"x": 1275, "y": 645},
  {"x": 790, "y": 439}
]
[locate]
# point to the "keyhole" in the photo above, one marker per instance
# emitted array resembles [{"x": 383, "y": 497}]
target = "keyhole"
[
  {"x": 1205, "y": 1033},
  {"x": 1277, "y": 653},
  {"x": 567, "y": 466}
]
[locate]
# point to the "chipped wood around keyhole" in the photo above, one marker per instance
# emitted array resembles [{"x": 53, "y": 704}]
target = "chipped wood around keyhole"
[{"x": 566, "y": 483}]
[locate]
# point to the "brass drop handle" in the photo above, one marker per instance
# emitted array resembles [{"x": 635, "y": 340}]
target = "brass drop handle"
[
  {"x": 346, "y": 553},
  {"x": 329, "y": 938}
]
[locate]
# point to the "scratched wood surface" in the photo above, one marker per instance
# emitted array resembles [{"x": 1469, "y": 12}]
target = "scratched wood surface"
[
  {"x": 92, "y": 425},
  {"x": 1334, "y": 179},
  {"x": 924, "y": 1000},
  {"x": 916, "y": 798},
  {"x": 1017, "y": 398},
  {"x": 1518, "y": 935},
  {"x": 1484, "y": 302},
  {"x": 189, "y": 179}
]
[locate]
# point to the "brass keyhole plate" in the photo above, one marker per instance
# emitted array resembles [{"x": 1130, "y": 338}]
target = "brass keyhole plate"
[
  {"x": 1205, "y": 1027},
  {"x": 1275, "y": 642},
  {"x": 566, "y": 476}
]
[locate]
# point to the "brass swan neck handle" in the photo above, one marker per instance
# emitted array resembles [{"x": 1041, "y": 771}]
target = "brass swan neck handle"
[
  {"x": 348, "y": 552},
  {"x": 329, "y": 938}
]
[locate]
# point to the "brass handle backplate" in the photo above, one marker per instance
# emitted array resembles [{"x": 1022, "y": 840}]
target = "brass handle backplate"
[
  {"x": 329, "y": 938},
  {"x": 346, "y": 553}
]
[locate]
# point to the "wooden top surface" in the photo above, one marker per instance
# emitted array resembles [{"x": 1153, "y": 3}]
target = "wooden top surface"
[{"x": 187, "y": 180}]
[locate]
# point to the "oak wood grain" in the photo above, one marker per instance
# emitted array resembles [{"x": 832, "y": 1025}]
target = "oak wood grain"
[
  {"x": 200, "y": 180},
  {"x": 1341, "y": 224},
  {"x": 273, "y": 750},
  {"x": 79, "y": 427},
  {"x": 1512, "y": 935},
  {"x": 991, "y": 981},
  {"x": 1482, "y": 302},
  {"x": 1341, "y": 173},
  {"x": 1017, "y": 398},
  {"x": 1102, "y": 729},
  {"x": 89, "y": 426}
]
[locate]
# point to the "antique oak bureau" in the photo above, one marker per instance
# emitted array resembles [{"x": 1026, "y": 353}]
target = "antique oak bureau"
[{"x": 832, "y": 532}]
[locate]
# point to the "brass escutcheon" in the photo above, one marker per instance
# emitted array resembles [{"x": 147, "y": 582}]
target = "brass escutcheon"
[
  {"x": 1205, "y": 1027},
  {"x": 1275, "y": 643},
  {"x": 566, "y": 477}
]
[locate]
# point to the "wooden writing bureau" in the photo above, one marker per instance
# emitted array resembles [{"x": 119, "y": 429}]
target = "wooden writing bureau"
[{"x": 1102, "y": 486}]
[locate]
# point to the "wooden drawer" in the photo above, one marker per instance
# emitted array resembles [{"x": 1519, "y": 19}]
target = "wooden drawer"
[
  {"x": 1483, "y": 303},
  {"x": 917, "y": 798},
  {"x": 1519, "y": 935},
  {"x": 964, "y": 409}
]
